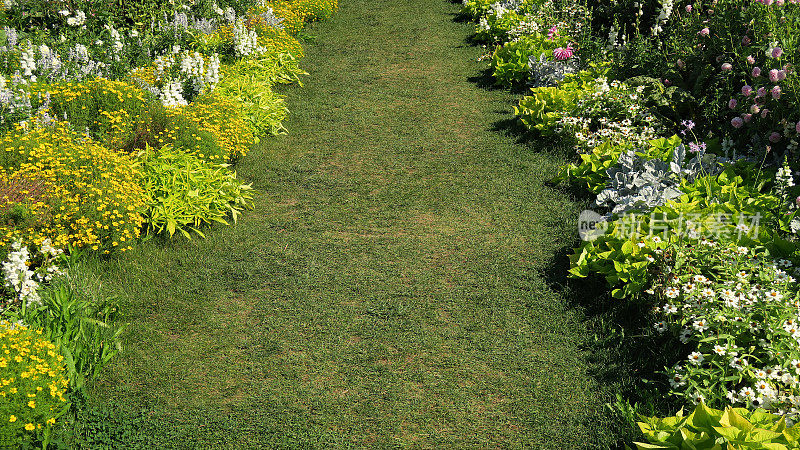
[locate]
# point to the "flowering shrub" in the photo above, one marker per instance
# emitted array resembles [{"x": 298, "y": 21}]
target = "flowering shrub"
[
  {"x": 312, "y": 10},
  {"x": 24, "y": 269},
  {"x": 78, "y": 192},
  {"x": 32, "y": 385},
  {"x": 736, "y": 309}
]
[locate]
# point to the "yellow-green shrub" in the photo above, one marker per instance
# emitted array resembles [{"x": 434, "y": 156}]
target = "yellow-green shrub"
[
  {"x": 32, "y": 386},
  {"x": 77, "y": 191}
]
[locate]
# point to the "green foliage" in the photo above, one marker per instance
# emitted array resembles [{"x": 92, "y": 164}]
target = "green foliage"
[
  {"x": 184, "y": 192},
  {"x": 84, "y": 327},
  {"x": 542, "y": 110},
  {"x": 707, "y": 428},
  {"x": 592, "y": 170},
  {"x": 617, "y": 254},
  {"x": 510, "y": 62},
  {"x": 249, "y": 83}
]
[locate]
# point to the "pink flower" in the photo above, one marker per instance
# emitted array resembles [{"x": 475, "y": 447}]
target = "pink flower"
[
  {"x": 561, "y": 53},
  {"x": 773, "y": 75},
  {"x": 737, "y": 122},
  {"x": 776, "y": 92},
  {"x": 754, "y": 109},
  {"x": 704, "y": 32},
  {"x": 761, "y": 92},
  {"x": 667, "y": 82},
  {"x": 726, "y": 67},
  {"x": 797, "y": 201},
  {"x": 781, "y": 75},
  {"x": 797, "y": 127},
  {"x": 777, "y": 52},
  {"x": 747, "y": 90},
  {"x": 751, "y": 60},
  {"x": 764, "y": 113},
  {"x": 688, "y": 8},
  {"x": 756, "y": 72},
  {"x": 732, "y": 103},
  {"x": 774, "y": 137},
  {"x": 552, "y": 32},
  {"x": 747, "y": 117}
]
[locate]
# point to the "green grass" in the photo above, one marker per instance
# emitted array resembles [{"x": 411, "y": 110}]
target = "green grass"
[{"x": 399, "y": 282}]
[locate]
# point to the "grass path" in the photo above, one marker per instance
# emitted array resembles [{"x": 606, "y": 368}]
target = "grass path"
[{"x": 389, "y": 286}]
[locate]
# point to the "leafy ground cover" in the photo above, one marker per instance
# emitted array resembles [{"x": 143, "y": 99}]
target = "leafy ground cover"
[{"x": 394, "y": 284}]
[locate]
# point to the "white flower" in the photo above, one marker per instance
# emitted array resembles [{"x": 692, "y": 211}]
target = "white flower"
[
  {"x": 698, "y": 398},
  {"x": 700, "y": 325},
  {"x": 707, "y": 292},
  {"x": 676, "y": 381},
  {"x": 696, "y": 358},
  {"x": 747, "y": 394},
  {"x": 670, "y": 309},
  {"x": 660, "y": 326},
  {"x": 720, "y": 350},
  {"x": 738, "y": 363},
  {"x": 672, "y": 292}
]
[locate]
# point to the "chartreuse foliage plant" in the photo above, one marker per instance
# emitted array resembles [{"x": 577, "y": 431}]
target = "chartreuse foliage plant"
[
  {"x": 708, "y": 428},
  {"x": 57, "y": 184},
  {"x": 249, "y": 84},
  {"x": 543, "y": 110},
  {"x": 510, "y": 62},
  {"x": 32, "y": 386},
  {"x": 183, "y": 192}
]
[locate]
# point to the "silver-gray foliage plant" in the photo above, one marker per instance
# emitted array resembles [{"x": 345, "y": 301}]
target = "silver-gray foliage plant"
[{"x": 637, "y": 184}]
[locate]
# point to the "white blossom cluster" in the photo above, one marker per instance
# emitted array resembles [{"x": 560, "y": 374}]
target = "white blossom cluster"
[
  {"x": 245, "y": 41},
  {"x": 663, "y": 15},
  {"x": 79, "y": 19},
  {"x": 23, "y": 281},
  {"x": 185, "y": 72}
]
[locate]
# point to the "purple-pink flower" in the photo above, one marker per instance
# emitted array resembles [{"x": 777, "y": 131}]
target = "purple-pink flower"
[
  {"x": 737, "y": 122},
  {"x": 747, "y": 90},
  {"x": 562, "y": 53},
  {"x": 764, "y": 113},
  {"x": 726, "y": 67},
  {"x": 756, "y": 72},
  {"x": 776, "y": 52},
  {"x": 774, "y": 137},
  {"x": 704, "y": 32},
  {"x": 781, "y": 75},
  {"x": 773, "y": 75},
  {"x": 797, "y": 127},
  {"x": 732, "y": 103},
  {"x": 751, "y": 60},
  {"x": 776, "y": 92},
  {"x": 745, "y": 40},
  {"x": 747, "y": 117},
  {"x": 761, "y": 92}
]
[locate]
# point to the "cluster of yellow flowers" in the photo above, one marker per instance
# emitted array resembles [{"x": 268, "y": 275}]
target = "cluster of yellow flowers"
[
  {"x": 79, "y": 192},
  {"x": 222, "y": 118},
  {"x": 113, "y": 111},
  {"x": 32, "y": 382},
  {"x": 315, "y": 9}
]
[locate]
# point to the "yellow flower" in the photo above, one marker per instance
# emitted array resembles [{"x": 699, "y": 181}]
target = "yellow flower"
[
  {"x": 29, "y": 426},
  {"x": 13, "y": 418},
  {"x": 32, "y": 404}
]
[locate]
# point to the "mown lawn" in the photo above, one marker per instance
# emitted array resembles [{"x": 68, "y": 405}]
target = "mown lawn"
[{"x": 397, "y": 284}]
